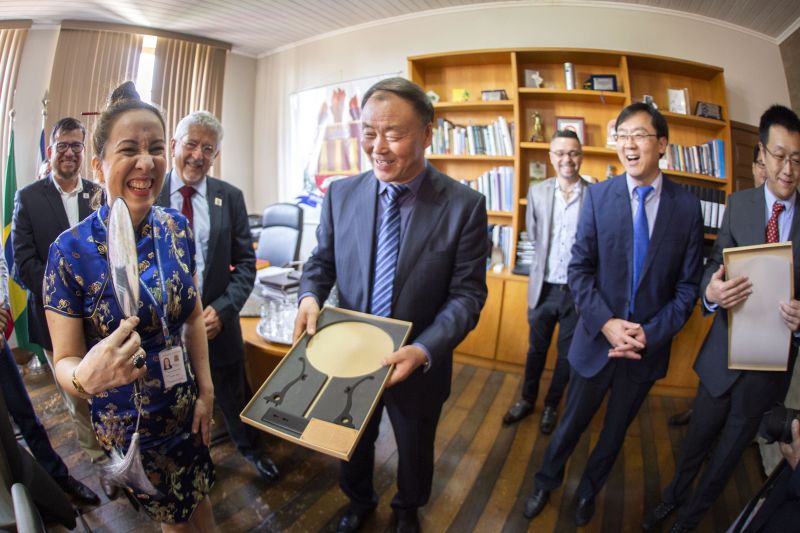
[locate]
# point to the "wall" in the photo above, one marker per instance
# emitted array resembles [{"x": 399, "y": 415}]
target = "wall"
[
  {"x": 790, "y": 53},
  {"x": 237, "y": 150},
  {"x": 383, "y": 48}
]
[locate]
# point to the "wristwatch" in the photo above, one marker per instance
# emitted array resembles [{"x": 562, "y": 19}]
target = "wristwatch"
[{"x": 76, "y": 383}]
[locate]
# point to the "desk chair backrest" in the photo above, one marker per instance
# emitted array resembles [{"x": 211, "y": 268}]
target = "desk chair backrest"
[{"x": 281, "y": 233}]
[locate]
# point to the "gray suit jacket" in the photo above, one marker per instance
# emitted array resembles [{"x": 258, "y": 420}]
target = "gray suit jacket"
[{"x": 539, "y": 222}]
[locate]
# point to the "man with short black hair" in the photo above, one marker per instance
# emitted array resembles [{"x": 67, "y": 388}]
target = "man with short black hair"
[{"x": 759, "y": 168}]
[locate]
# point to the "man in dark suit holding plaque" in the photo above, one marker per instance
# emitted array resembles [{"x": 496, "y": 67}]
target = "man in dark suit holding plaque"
[
  {"x": 730, "y": 403},
  {"x": 634, "y": 274},
  {"x": 408, "y": 242}
]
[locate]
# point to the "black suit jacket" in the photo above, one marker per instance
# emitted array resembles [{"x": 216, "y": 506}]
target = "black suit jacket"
[
  {"x": 744, "y": 224},
  {"x": 40, "y": 217},
  {"x": 440, "y": 281},
  {"x": 230, "y": 269}
]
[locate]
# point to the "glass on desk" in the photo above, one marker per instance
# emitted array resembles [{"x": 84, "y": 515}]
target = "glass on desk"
[{"x": 277, "y": 321}]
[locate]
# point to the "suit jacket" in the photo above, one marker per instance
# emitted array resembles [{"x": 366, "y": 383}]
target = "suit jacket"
[
  {"x": 440, "y": 280},
  {"x": 743, "y": 224},
  {"x": 230, "y": 269},
  {"x": 40, "y": 217},
  {"x": 539, "y": 224},
  {"x": 601, "y": 268},
  {"x": 781, "y": 508}
]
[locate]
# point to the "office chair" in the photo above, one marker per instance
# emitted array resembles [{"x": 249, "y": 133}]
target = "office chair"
[{"x": 282, "y": 230}]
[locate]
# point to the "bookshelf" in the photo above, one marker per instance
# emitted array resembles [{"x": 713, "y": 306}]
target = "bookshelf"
[{"x": 501, "y": 337}]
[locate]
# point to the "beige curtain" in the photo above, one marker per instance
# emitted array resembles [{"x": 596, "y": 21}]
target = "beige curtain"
[
  {"x": 188, "y": 77},
  {"x": 12, "y": 40},
  {"x": 88, "y": 65}
]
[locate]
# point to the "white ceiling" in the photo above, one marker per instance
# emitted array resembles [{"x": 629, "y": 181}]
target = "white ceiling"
[{"x": 258, "y": 27}]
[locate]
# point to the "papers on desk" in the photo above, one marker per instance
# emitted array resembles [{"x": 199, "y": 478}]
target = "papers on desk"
[
  {"x": 758, "y": 338},
  {"x": 278, "y": 283}
]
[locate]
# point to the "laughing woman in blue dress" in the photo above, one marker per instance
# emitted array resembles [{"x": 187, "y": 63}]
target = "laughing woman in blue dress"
[{"x": 96, "y": 348}]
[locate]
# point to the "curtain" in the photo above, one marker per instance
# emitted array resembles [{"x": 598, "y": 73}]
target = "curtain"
[
  {"x": 88, "y": 65},
  {"x": 11, "y": 43},
  {"x": 188, "y": 77}
]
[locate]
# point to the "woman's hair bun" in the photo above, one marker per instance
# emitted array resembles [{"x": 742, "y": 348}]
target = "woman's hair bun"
[{"x": 126, "y": 91}]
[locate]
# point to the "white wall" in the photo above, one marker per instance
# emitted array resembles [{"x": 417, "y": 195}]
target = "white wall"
[
  {"x": 753, "y": 70},
  {"x": 237, "y": 150}
]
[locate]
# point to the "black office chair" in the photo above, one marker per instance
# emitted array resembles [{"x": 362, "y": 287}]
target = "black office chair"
[{"x": 281, "y": 233}]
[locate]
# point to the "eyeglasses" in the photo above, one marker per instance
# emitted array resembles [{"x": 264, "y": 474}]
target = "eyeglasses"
[
  {"x": 638, "y": 138},
  {"x": 759, "y": 164},
  {"x": 207, "y": 150},
  {"x": 572, "y": 154},
  {"x": 794, "y": 162},
  {"x": 62, "y": 147}
]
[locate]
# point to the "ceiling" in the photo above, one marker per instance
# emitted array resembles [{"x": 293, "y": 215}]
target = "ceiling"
[{"x": 258, "y": 27}]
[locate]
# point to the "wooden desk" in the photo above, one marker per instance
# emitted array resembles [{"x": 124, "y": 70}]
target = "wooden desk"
[{"x": 260, "y": 357}]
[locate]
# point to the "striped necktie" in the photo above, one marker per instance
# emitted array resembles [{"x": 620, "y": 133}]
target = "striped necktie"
[
  {"x": 388, "y": 246},
  {"x": 641, "y": 240}
]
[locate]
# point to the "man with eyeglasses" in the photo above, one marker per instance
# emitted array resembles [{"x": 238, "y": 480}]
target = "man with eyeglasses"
[
  {"x": 634, "y": 274},
  {"x": 42, "y": 211},
  {"x": 551, "y": 222},
  {"x": 226, "y": 268},
  {"x": 759, "y": 168},
  {"x": 730, "y": 403}
]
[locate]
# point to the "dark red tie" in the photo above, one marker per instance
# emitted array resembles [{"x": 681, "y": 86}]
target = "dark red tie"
[
  {"x": 772, "y": 225},
  {"x": 187, "y": 192}
]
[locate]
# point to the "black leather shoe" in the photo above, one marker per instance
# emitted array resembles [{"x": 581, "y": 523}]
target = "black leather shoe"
[
  {"x": 352, "y": 520},
  {"x": 266, "y": 468},
  {"x": 406, "y": 521},
  {"x": 658, "y": 514},
  {"x": 549, "y": 418},
  {"x": 109, "y": 489},
  {"x": 78, "y": 491},
  {"x": 680, "y": 419},
  {"x": 518, "y": 411},
  {"x": 584, "y": 511},
  {"x": 535, "y": 503}
]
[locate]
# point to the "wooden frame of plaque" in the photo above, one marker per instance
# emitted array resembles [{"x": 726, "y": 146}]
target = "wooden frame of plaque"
[{"x": 326, "y": 388}]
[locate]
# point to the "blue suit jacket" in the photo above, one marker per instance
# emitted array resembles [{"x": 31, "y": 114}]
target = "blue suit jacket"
[
  {"x": 600, "y": 275},
  {"x": 440, "y": 281}
]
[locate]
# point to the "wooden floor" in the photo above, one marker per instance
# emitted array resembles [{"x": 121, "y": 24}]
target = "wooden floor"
[{"x": 483, "y": 471}]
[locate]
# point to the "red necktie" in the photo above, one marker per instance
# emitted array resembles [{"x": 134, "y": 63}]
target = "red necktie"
[
  {"x": 772, "y": 225},
  {"x": 187, "y": 211}
]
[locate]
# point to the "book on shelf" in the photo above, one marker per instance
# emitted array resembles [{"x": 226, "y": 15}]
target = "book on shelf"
[
  {"x": 494, "y": 139},
  {"x": 712, "y": 206},
  {"x": 525, "y": 251},
  {"x": 501, "y": 246},
  {"x": 707, "y": 159},
  {"x": 497, "y": 185}
]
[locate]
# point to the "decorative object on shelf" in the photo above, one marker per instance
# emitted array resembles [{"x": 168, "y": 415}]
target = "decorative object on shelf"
[
  {"x": 647, "y": 99},
  {"x": 460, "y": 95},
  {"x": 538, "y": 128},
  {"x": 602, "y": 82},
  {"x": 704, "y": 109},
  {"x": 678, "y": 101},
  {"x": 494, "y": 95},
  {"x": 569, "y": 76},
  {"x": 576, "y": 124},
  {"x": 537, "y": 170},
  {"x": 433, "y": 97},
  {"x": 533, "y": 79},
  {"x": 611, "y": 131}
]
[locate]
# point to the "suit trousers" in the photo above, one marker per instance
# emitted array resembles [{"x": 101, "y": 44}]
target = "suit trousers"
[
  {"x": 79, "y": 413},
  {"x": 232, "y": 393},
  {"x": 415, "y": 434},
  {"x": 722, "y": 419},
  {"x": 584, "y": 397},
  {"x": 21, "y": 410},
  {"x": 555, "y": 305}
]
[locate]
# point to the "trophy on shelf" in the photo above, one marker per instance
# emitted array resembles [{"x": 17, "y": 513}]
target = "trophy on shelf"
[{"x": 538, "y": 128}]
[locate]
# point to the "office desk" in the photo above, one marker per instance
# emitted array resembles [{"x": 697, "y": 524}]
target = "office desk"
[{"x": 260, "y": 357}]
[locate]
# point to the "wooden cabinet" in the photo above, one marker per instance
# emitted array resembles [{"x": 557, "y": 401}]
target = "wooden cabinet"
[{"x": 502, "y": 333}]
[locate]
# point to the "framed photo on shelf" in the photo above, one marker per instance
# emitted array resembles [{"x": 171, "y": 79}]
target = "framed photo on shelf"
[
  {"x": 704, "y": 109},
  {"x": 678, "y": 101},
  {"x": 576, "y": 124},
  {"x": 602, "y": 82}
]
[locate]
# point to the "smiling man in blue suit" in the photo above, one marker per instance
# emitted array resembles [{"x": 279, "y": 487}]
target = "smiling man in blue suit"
[
  {"x": 406, "y": 241},
  {"x": 634, "y": 274}
]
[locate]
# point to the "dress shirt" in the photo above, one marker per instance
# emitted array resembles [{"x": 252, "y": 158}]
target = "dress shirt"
[
  {"x": 562, "y": 233},
  {"x": 650, "y": 203},
  {"x": 201, "y": 223},
  {"x": 70, "y": 200}
]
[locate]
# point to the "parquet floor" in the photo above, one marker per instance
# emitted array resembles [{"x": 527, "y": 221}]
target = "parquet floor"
[{"x": 483, "y": 471}]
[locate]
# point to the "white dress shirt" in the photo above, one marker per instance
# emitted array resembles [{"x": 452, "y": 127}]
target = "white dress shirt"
[
  {"x": 201, "y": 219},
  {"x": 562, "y": 233},
  {"x": 70, "y": 200}
]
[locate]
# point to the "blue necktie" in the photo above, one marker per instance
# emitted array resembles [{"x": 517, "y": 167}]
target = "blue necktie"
[
  {"x": 388, "y": 246},
  {"x": 641, "y": 239}
]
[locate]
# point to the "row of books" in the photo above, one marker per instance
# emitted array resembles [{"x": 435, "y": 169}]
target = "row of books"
[
  {"x": 497, "y": 185},
  {"x": 707, "y": 158},
  {"x": 501, "y": 245},
  {"x": 496, "y": 138},
  {"x": 712, "y": 204},
  {"x": 525, "y": 251}
]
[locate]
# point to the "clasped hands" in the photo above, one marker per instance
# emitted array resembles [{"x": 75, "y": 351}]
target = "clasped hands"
[
  {"x": 627, "y": 339},
  {"x": 405, "y": 360},
  {"x": 728, "y": 294}
]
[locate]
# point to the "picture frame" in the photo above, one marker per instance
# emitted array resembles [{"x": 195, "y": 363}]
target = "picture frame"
[
  {"x": 707, "y": 110},
  {"x": 493, "y": 95},
  {"x": 602, "y": 82},
  {"x": 533, "y": 79},
  {"x": 678, "y": 101},
  {"x": 576, "y": 124}
]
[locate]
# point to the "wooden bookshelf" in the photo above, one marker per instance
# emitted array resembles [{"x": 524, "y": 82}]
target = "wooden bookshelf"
[{"x": 502, "y": 333}]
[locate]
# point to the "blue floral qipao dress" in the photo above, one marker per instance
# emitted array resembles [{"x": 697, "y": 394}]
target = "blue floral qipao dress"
[{"x": 77, "y": 285}]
